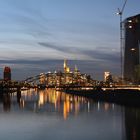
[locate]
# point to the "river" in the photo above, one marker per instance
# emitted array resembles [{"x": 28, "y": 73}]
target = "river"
[{"x": 53, "y": 115}]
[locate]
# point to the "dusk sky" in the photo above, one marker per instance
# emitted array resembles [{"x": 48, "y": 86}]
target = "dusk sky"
[{"x": 38, "y": 30}]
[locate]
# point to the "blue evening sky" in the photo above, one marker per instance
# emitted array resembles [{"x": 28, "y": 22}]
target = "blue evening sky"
[{"x": 58, "y": 29}]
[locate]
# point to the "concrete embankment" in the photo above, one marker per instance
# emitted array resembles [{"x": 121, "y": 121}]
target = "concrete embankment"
[{"x": 120, "y": 96}]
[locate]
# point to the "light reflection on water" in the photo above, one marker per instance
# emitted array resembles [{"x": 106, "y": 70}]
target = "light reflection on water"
[{"x": 50, "y": 114}]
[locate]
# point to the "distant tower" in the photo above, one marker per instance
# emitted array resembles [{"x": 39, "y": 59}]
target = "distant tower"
[
  {"x": 106, "y": 74},
  {"x": 75, "y": 69},
  {"x": 7, "y": 74},
  {"x": 65, "y": 65},
  {"x": 66, "y": 68}
]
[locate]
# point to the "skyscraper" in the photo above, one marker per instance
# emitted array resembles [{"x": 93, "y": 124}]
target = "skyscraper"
[
  {"x": 132, "y": 49},
  {"x": 7, "y": 74},
  {"x": 66, "y": 68}
]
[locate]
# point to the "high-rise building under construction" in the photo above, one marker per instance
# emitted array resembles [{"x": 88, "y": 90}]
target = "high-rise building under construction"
[{"x": 132, "y": 49}]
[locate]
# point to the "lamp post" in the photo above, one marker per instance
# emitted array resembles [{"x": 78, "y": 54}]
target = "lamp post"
[{"x": 120, "y": 13}]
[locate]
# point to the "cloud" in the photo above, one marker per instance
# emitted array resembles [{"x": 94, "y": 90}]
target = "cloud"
[
  {"x": 103, "y": 55},
  {"x": 29, "y": 33},
  {"x": 25, "y": 17},
  {"x": 55, "y": 47},
  {"x": 95, "y": 54}
]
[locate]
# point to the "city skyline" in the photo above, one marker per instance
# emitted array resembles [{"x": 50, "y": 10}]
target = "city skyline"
[{"x": 51, "y": 30}]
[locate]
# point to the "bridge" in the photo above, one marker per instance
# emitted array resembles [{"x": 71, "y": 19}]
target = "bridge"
[{"x": 58, "y": 80}]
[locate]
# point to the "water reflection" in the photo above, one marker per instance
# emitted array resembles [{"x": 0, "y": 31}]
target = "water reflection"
[
  {"x": 53, "y": 101},
  {"x": 132, "y": 123},
  {"x": 113, "y": 121},
  {"x": 68, "y": 104},
  {"x": 6, "y": 102}
]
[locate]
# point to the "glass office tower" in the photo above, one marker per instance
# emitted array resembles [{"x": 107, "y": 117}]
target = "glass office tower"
[{"x": 132, "y": 49}]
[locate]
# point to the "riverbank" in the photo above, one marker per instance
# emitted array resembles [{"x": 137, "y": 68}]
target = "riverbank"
[{"x": 119, "y": 96}]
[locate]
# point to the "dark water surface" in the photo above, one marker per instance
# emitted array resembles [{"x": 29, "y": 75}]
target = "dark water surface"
[{"x": 52, "y": 115}]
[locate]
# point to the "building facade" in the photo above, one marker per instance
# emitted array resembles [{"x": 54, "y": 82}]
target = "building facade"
[
  {"x": 106, "y": 74},
  {"x": 132, "y": 49},
  {"x": 7, "y": 74}
]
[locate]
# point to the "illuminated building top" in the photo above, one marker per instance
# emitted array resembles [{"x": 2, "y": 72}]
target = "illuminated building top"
[{"x": 66, "y": 68}]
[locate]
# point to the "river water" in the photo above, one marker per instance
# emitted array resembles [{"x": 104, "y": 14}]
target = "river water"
[{"x": 53, "y": 115}]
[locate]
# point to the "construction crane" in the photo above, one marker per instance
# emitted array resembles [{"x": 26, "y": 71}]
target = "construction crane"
[{"x": 120, "y": 13}]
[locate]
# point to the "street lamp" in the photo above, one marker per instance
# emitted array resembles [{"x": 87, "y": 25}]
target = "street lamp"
[{"x": 120, "y": 13}]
